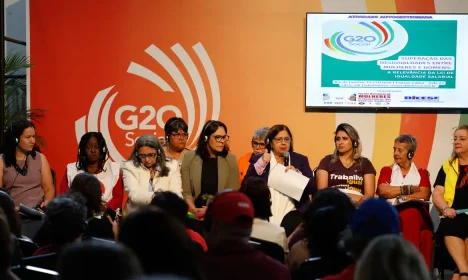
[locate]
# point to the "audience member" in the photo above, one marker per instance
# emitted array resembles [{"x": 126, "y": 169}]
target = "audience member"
[
  {"x": 93, "y": 158},
  {"x": 99, "y": 224},
  {"x": 91, "y": 261},
  {"x": 346, "y": 169},
  {"x": 230, "y": 216},
  {"x": 390, "y": 257},
  {"x": 402, "y": 182},
  {"x": 327, "y": 216},
  {"x": 279, "y": 141},
  {"x": 176, "y": 206},
  {"x": 8, "y": 207},
  {"x": 176, "y": 131},
  {"x": 65, "y": 221},
  {"x": 6, "y": 249},
  {"x": 160, "y": 242},
  {"x": 258, "y": 147},
  {"x": 259, "y": 193},
  {"x": 374, "y": 217},
  {"x": 209, "y": 169},
  {"x": 451, "y": 194},
  {"x": 148, "y": 171}
]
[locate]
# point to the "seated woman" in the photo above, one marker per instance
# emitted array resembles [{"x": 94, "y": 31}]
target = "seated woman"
[
  {"x": 257, "y": 190},
  {"x": 451, "y": 194},
  {"x": 258, "y": 147},
  {"x": 279, "y": 141},
  {"x": 176, "y": 131},
  {"x": 93, "y": 158},
  {"x": 209, "y": 169},
  {"x": 148, "y": 171},
  {"x": 24, "y": 172},
  {"x": 404, "y": 181},
  {"x": 346, "y": 169}
]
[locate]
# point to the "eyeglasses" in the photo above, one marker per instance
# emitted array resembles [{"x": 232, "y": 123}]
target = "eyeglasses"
[
  {"x": 281, "y": 139},
  {"x": 219, "y": 138},
  {"x": 180, "y": 135},
  {"x": 144, "y": 156},
  {"x": 258, "y": 144}
]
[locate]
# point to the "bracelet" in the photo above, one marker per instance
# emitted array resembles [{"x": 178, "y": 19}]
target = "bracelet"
[
  {"x": 411, "y": 189},
  {"x": 401, "y": 190},
  {"x": 445, "y": 208}
]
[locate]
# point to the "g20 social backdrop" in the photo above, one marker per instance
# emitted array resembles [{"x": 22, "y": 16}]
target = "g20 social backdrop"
[{"x": 125, "y": 67}]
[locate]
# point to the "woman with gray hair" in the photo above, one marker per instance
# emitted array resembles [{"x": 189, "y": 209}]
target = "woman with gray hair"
[
  {"x": 346, "y": 169},
  {"x": 258, "y": 147},
  {"x": 147, "y": 171},
  {"x": 407, "y": 187}
]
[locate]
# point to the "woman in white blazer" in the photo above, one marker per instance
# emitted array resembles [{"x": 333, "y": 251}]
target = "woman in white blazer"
[{"x": 148, "y": 171}]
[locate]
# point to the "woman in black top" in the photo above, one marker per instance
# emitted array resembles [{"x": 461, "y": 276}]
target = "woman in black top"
[
  {"x": 209, "y": 169},
  {"x": 451, "y": 194}
]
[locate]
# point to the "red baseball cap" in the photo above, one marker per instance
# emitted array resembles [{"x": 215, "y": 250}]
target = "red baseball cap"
[{"x": 231, "y": 206}]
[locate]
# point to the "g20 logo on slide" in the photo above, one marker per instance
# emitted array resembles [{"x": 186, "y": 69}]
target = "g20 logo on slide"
[
  {"x": 363, "y": 40},
  {"x": 145, "y": 119}
]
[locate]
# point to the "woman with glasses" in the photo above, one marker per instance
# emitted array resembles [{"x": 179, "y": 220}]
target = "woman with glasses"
[
  {"x": 450, "y": 197},
  {"x": 346, "y": 169},
  {"x": 209, "y": 169},
  {"x": 279, "y": 140},
  {"x": 148, "y": 171},
  {"x": 258, "y": 147},
  {"x": 176, "y": 135}
]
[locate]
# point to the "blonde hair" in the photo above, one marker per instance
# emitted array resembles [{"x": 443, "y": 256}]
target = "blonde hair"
[
  {"x": 390, "y": 257},
  {"x": 460, "y": 127},
  {"x": 354, "y": 135}
]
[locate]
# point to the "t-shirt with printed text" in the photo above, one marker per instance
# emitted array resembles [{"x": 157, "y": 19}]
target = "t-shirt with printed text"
[{"x": 350, "y": 180}]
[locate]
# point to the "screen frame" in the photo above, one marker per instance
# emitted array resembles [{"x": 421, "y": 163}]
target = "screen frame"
[{"x": 367, "y": 109}]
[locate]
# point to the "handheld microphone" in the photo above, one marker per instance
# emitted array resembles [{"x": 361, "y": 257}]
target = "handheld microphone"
[{"x": 286, "y": 159}]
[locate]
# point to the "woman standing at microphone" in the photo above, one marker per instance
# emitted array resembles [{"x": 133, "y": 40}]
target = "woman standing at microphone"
[
  {"x": 280, "y": 151},
  {"x": 346, "y": 169}
]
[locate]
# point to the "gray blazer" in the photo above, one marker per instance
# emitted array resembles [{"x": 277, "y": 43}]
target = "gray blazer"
[{"x": 191, "y": 170}]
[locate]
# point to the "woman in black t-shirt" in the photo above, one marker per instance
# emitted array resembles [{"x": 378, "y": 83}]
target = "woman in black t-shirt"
[
  {"x": 346, "y": 169},
  {"x": 451, "y": 194}
]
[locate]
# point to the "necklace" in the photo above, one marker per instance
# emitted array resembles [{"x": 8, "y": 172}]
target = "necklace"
[
  {"x": 24, "y": 170},
  {"x": 172, "y": 155}
]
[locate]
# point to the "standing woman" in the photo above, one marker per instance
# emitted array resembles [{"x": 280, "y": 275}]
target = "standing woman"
[
  {"x": 24, "y": 172},
  {"x": 346, "y": 169},
  {"x": 176, "y": 131},
  {"x": 209, "y": 169},
  {"x": 148, "y": 171},
  {"x": 93, "y": 158},
  {"x": 451, "y": 194},
  {"x": 280, "y": 140}
]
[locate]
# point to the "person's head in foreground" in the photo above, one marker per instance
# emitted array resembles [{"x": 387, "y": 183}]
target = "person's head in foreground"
[
  {"x": 373, "y": 218},
  {"x": 103, "y": 260},
  {"x": 230, "y": 216},
  {"x": 390, "y": 257}
]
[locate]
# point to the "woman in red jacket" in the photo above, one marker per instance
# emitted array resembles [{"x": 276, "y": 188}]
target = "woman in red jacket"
[{"x": 408, "y": 187}]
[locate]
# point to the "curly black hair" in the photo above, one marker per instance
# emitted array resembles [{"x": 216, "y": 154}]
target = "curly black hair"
[{"x": 82, "y": 160}]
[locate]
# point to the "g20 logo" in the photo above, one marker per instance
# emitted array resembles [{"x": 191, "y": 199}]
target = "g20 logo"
[
  {"x": 363, "y": 40},
  {"x": 129, "y": 118}
]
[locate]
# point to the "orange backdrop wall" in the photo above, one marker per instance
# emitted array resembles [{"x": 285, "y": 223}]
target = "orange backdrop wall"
[{"x": 125, "y": 67}]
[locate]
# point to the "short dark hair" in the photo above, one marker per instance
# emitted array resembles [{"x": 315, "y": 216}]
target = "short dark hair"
[
  {"x": 209, "y": 128},
  {"x": 174, "y": 124},
  {"x": 65, "y": 220},
  {"x": 90, "y": 188},
  {"x": 13, "y": 133},
  {"x": 257, "y": 190},
  {"x": 274, "y": 130},
  {"x": 122, "y": 263},
  {"x": 82, "y": 161},
  {"x": 171, "y": 203}
]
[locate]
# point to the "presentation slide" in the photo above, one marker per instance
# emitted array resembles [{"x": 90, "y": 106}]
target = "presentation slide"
[{"x": 387, "y": 60}]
